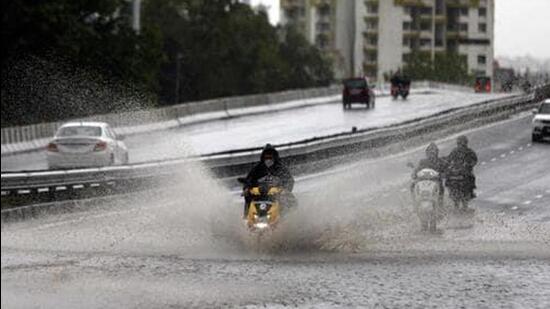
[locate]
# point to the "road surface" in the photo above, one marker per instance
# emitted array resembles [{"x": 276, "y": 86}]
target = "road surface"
[
  {"x": 354, "y": 242},
  {"x": 284, "y": 126}
]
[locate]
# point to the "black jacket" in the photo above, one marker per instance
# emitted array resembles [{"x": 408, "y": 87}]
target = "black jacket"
[
  {"x": 277, "y": 169},
  {"x": 463, "y": 157}
]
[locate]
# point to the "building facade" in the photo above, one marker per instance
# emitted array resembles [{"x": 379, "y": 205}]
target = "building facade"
[
  {"x": 375, "y": 37},
  {"x": 329, "y": 24}
]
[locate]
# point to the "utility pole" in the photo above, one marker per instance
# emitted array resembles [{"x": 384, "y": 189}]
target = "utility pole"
[{"x": 136, "y": 15}]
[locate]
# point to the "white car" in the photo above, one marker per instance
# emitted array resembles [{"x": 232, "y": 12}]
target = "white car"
[
  {"x": 541, "y": 121},
  {"x": 85, "y": 144}
]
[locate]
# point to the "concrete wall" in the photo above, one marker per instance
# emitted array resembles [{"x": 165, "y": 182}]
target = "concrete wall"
[{"x": 167, "y": 116}]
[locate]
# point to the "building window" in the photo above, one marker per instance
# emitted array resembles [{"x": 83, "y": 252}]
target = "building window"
[
  {"x": 372, "y": 57},
  {"x": 324, "y": 10},
  {"x": 425, "y": 42},
  {"x": 482, "y": 12},
  {"x": 481, "y": 59},
  {"x": 406, "y": 41},
  {"x": 323, "y": 26},
  {"x": 372, "y": 40},
  {"x": 464, "y": 11},
  {"x": 407, "y": 25},
  {"x": 463, "y": 27},
  {"x": 372, "y": 24},
  {"x": 482, "y": 27},
  {"x": 372, "y": 8},
  {"x": 425, "y": 26}
]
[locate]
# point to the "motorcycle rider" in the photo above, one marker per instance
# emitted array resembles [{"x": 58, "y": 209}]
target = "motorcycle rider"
[
  {"x": 398, "y": 78},
  {"x": 464, "y": 158},
  {"x": 432, "y": 161},
  {"x": 270, "y": 164}
]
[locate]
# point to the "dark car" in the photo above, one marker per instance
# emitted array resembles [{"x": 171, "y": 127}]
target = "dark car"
[
  {"x": 483, "y": 84},
  {"x": 357, "y": 90}
]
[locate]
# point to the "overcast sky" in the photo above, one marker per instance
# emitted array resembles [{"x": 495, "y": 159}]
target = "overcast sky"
[{"x": 522, "y": 27}]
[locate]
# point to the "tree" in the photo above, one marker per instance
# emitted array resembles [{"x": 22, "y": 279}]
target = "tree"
[
  {"x": 448, "y": 67},
  {"x": 227, "y": 49},
  {"x": 77, "y": 38}
]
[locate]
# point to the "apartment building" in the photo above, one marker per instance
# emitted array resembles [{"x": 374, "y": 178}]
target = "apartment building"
[
  {"x": 376, "y": 37},
  {"x": 329, "y": 24}
]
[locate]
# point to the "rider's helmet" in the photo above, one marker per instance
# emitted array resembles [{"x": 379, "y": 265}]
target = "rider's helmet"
[
  {"x": 432, "y": 151},
  {"x": 462, "y": 141},
  {"x": 269, "y": 155}
]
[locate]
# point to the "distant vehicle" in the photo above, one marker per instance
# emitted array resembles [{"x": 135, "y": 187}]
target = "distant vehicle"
[
  {"x": 541, "y": 121},
  {"x": 483, "y": 84},
  {"x": 400, "y": 86},
  {"x": 85, "y": 144},
  {"x": 357, "y": 90}
]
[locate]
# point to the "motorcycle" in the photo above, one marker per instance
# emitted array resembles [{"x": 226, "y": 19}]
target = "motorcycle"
[
  {"x": 426, "y": 198},
  {"x": 460, "y": 187},
  {"x": 264, "y": 208},
  {"x": 400, "y": 89}
]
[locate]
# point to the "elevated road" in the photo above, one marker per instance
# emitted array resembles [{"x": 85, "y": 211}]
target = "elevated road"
[{"x": 354, "y": 241}]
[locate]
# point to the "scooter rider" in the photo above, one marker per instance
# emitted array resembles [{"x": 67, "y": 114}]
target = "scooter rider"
[
  {"x": 465, "y": 158},
  {"x": 270, "y": 164},
  {"x": 432, "y": 161}
]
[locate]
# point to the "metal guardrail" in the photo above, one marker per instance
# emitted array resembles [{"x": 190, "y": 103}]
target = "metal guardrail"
[{"x": 21, "y": 188}]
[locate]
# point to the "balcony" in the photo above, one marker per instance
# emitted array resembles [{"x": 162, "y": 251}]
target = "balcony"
[
  {"x": 463, "y": 3},
  {"x": 292, "y": 3},
  {"x": 411, "y": 34},
  {"x": 370, "y": 69},
  {"x": 456, "y": 35},
  {"x": 417, "y": 3},
  {"x": 370, "y": 31},
  {"x": 371, "y": 19}
]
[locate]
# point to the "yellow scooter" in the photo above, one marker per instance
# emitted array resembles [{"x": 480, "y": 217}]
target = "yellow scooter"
[{"x": 264, "y": 208}]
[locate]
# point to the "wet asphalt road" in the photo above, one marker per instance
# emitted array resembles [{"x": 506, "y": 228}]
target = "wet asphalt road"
[
  {"x": 280, "y": 127},
  {"x": 354, "y": 242}
]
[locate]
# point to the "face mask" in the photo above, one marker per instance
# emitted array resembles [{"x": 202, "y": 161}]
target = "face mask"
[{"x": 268, "y": 163}]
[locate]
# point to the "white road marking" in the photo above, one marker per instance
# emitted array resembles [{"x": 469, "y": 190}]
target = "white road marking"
[
  {"x": 503, "y": 155},
  {"x": 538, "y": 196},
  {"x": 512, "y": 151},
  {"x": 493, "y": 159},
  {"x": 520, "y": 148},
  {"x": 41, "y": 190},
  {"x": 60, "y": 188},
  {"x": 78, "y": 186},
  {"x": 529, "y": 145},
  {"x": 527, "y": 202},
  {"x": 515, "y": 208},
  {"x": 483, "y": 163}
]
